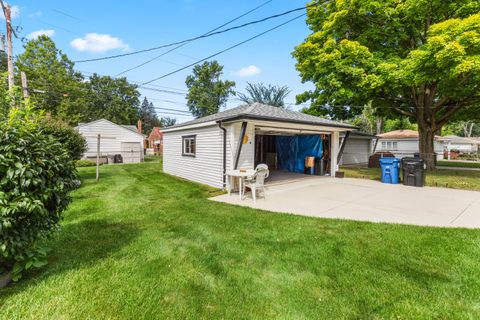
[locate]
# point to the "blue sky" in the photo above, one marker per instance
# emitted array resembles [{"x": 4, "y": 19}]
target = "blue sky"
[{"x": 92, "y": 29}]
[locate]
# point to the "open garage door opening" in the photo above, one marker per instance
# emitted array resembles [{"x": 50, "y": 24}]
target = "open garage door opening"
[{"x": 285, "y": 150}]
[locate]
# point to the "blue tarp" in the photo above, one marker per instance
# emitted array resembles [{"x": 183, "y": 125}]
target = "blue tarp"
[{"x": 291, "y": 151}]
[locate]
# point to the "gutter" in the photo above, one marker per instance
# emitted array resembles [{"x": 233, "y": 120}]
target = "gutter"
[{"x": 224, "y": 175}]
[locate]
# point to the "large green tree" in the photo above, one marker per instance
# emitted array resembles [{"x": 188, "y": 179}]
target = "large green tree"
[
  {"x": 148, "y": 116},
  {"x": 167, "y": 121},
  {"x": 266, "y": 94},
  {"x": 413, "y": 58},
  {"x": 113, "y": 99},
  {"x": 54, "y": 85},
  {"x": 206, "y": 92}
]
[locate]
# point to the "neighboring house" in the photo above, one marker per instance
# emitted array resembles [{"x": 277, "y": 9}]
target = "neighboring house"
[
  {"x": 155, "y": 141},
  {"x": 203, "y": 149},
  {"x": 465, "y": 145},
  {"x": 358, "y": 148},
  {"x": 404, "y": 143},
  {"x": 115, "y": 139}
]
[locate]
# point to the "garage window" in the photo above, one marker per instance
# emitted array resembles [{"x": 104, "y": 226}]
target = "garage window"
[{"x": 188, "y": 146}]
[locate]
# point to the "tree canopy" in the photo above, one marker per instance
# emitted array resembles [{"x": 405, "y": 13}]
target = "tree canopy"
[
  {"x": 206, "y": 92},
  {"x": 167, "y": 121},
  {"x": 54, "y": 85},
  {"x": 413, "y": 58},
  {"x": 113, "y": 99},
  {"x": 148, "y": 116},
  {"x": 266, "y": 94}
]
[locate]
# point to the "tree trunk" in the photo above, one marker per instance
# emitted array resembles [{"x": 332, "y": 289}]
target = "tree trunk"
[
  {"x": 379, "y": 123},
  {"x": 426, "y": 147}
]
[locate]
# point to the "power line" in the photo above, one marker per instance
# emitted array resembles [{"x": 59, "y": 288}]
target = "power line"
[
  {"x": 65, "y": 14},
  {"x": 196, "y": 38},
  {"x": 203, "y": 35},
  {"x": 159, "y": 88},
  {"x": 168, "y": 109},
  {"x": 224, "y": 50}
]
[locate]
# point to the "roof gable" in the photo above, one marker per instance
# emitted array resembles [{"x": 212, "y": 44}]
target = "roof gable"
[{"x": 128, "y": 128}]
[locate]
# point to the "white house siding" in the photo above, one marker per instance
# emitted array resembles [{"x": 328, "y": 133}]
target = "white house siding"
[
  {"x": 356, "y": 151},
  {"x": 463, "y": 147},
  {"x": 113, "y": 140},
  {"x": 247, "y": 155},
  {"x": 207, "y": 165},
  {"x": 408, "y": 147}
]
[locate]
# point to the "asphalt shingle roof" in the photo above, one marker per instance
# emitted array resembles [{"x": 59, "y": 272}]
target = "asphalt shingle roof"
[{"x": 265, "y": 112}]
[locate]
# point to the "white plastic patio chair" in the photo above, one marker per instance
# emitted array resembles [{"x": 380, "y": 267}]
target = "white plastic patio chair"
[
  {"x": 258, "y": 181},
  {"x": 252, "y": 178}
]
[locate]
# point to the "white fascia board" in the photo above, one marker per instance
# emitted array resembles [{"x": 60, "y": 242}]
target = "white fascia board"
[{"x": 192, "y": 126}]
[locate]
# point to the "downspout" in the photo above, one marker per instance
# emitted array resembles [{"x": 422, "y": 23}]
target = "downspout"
[
  {"x": 243, "y": 130},
  {"x": 224, "y": 154}
]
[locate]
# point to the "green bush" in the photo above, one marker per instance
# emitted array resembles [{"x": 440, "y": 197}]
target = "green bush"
[
  {"x": 85, "y": 163},
  {"x": 70, "y": 138},
  {"x": 37, "y": 175}
]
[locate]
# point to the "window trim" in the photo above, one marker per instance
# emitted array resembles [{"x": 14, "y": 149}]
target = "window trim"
[{"x": 191, "y": 136}]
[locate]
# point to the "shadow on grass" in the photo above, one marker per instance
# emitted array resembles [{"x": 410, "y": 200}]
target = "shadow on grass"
[{"x": 78, "y": 245}]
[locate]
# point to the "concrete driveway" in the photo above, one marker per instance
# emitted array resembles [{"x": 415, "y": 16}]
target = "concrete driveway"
[{"x": 366, "y": 200}]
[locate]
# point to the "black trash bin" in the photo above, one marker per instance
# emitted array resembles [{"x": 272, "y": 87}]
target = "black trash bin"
[
  {"x": 117, "y": 158},
  {"x": 413, "y": 172},
  {"x": 319, "y": 166}
]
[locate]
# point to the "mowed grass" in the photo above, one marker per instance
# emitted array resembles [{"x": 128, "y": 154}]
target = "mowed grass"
[
  {"x": 143, "y": 245},
  {"x": 458, "y": 164},
  {"x": 447, "y": 178}
]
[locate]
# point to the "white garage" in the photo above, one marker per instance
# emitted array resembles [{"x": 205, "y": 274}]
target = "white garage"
[
  {"x": 116, "y": 141},
  {"x": 358, "y": 148}
]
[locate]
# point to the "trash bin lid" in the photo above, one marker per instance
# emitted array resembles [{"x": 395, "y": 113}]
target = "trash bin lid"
[
  {"x": 412, "y": 160},
  {"x": 389, "y": 160}
]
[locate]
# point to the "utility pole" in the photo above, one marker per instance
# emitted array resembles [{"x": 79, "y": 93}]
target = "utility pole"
[
  {"x": 98, "y": 158},
  {"x": 6, "y": 13},
  {"x": 24, "y": 84}
]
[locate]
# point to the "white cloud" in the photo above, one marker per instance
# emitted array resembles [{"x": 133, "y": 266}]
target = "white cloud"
[
  {"x": 36, "y": 14},
  {"x": 98, "y": 43},
  {"x": 14, "y": 12},
  {"x": 38, "y": 33},
  {"x": 247, "y": 71}
]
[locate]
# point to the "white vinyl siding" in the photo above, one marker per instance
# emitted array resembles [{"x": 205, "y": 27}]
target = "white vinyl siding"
[
  {"x": 207, "y": 165},
  {"x": 356, "y": 151},
  {"x": 247, "y": 155},
  {"x": 114, "y": 139},
  {"x": 407, "y": 147}
]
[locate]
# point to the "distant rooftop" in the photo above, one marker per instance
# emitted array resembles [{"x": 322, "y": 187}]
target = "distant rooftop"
[
  {"x": 457, "y": 139},
  {"x": 264, "y": 112},
  {"x": 399, "y": 134},
  {"x": 404, "y": 134}
]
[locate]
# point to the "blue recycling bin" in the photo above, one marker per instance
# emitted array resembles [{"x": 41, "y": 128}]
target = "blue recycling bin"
[{"x": 390, "y": 170}]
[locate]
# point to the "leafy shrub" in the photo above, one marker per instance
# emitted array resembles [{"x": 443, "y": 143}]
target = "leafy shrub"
[
  {"x": 85, "y": 163},
  {"x": 36, "y": 176},
  {"x": 70, "y": 138}
]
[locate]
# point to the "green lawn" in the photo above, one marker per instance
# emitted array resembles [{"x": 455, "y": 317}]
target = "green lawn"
[
  {"x": 143, "y": 245},
  {"x": 458, "y": 164},
  {"x": 456, "y": 179}
]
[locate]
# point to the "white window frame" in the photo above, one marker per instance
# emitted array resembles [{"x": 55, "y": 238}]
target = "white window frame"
[{"x": 187, "y": 143}]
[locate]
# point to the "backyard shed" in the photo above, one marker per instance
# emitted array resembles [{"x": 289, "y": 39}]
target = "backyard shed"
[
  {"x": 203, "y": 149},
  {"x": 123, "y": 140}
]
